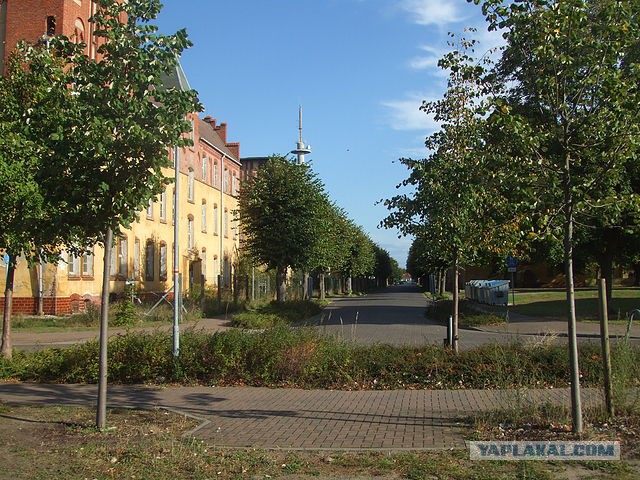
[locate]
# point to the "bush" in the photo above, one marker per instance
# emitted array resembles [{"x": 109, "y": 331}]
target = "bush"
[
  {"x": 276, "y": 313},
  {"x": 124, "y": 314},
  {"x": 303, "y": 358}
]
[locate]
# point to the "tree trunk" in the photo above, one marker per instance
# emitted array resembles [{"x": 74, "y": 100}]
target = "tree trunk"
[
  {"x": 101, "y": 415},
  {"x": 40, "y": 306},
  {"x": 349, "y": 285},
  {"x": 322, "y": 286},
  {"x": 442, "y": 281},
  {"x": 605, "y": 262},
  {"x": 7, "y": 349},
  {"x": 305, "y": 285},
  {"x": 456, "y": 305},
  {"x": 636, "y": 274},
  {"x": 576, "y": 407},
  {"x": 281, "y": 280}
]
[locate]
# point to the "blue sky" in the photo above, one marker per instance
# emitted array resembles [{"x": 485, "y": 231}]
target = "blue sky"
[{"x": 359, "y": 68}]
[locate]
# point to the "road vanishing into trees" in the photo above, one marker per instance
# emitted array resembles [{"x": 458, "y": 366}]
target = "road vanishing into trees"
[{"x": 397, "y": 316}]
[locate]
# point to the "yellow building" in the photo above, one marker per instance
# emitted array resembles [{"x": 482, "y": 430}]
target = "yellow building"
[{"x": 143, "y": 255}]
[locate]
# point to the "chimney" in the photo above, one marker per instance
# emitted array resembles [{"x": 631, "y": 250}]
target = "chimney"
[
  {"x": 222, "y": 131},
  {"x": 210, "y": 120},
  {"x": 234, "y": 148}
]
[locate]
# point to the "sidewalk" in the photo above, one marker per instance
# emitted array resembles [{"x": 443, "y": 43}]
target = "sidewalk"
[
  {"x": 21, "y": 340},
  {"x": 525, "y": 325},
  {"x": 306, "y": 419}
]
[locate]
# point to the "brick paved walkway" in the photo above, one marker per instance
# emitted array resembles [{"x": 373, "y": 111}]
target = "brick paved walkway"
[{"x": 306, "y": 419}]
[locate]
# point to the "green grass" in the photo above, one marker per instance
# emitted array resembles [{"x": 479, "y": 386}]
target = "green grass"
[
  {"x": 268, "y": 315},
  {"x": 552, "y": 304}
]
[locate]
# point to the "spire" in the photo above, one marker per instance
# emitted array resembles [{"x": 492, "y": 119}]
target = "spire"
[{"x": 301, "y": 150}]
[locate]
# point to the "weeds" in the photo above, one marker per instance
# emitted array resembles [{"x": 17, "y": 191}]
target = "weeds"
[{"x": 304, "y": 358}]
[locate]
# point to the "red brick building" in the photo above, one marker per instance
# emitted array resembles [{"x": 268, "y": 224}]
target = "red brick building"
[{"x": 209, "y": 179}]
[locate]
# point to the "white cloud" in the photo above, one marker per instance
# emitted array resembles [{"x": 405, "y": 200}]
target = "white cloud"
[
  {"x": 428, "y": 61},
  {"x": 406, "y": 114},
  {"x": 433, "y": 12}
]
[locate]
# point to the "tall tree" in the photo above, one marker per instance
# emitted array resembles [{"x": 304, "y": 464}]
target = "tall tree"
[
  {"x": 34, "y": 101},
  {"x": 114, "y": 133},
  {"x": 570, "y": 114},
  {"x": 281, "y": 211},
  {"x": 458, "y": 202}
]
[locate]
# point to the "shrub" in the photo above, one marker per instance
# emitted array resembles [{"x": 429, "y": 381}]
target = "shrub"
[
  {"x": 124, "y": 314},
  {"x": 303, "y": 358}
]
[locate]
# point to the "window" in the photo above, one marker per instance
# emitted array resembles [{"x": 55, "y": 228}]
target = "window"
[
  {"x": 203, "y": 265},
  {"x": 123, "y": 257},
  {"x": 136, "y": 258},
  {"x": 74, "y": 265},
  {"x": 234, "y": 184},
  {"x": 87, "y": 264},
  {"x": 113, "y": 261},
  {"x": 190, "y": 232},
  {"x": 203, "y": 215},
  {"x": 191, "y": 185},
  {"x": 51, "y": 26},
  {"x": 216, "y": 268},
  {"x": 215, "y": 219},
  {"x": 163, "y": 261},
  {"x": 78, "y": 31},
  {"x": 225, "y": 225},
  {"x": 150, "y": 209},
  {"x": 225, "y": 179},
  {"x": 149, "y": 274},
  {"x": 205, "y": 166},
  {"x": 215, "y": 174},
  {"x": 173, "y": 206},
  {"x": 163, "y": 206}
]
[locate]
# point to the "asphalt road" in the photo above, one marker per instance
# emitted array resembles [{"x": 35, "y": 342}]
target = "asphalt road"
[{"x": 395, "y": 316}]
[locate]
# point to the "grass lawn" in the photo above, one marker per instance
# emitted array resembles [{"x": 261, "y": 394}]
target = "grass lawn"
[
  {"x": 60, "y": 442},
  {"x": 552, "y": 304}
]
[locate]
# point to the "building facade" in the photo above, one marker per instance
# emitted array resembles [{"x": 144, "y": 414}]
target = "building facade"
[{"x": 209, "y": 179}]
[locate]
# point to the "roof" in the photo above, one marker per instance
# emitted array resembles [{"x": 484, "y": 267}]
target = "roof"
[
  {"x": 209, "y": 135},
  {"x": 176, "y": 78}
]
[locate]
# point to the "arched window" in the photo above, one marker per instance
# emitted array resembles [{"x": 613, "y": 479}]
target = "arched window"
[
  {"x": 163, "y": 206},
  {"x": 136, "y": 259},
  {"x": 203, "y": 215},
  {"x": 203, "y": 264},
  {"x": 191, "y": 185},
  {"x": 150, "y": 260},
  {"x": 205, "y": 168},
  {"x": 225, "y": 180},
  {"x": 234, "y": 184},
  {"x": 215, "y": 218},
  {"x": 216, "y": 269},
  {"x": 79, "y": 31},
  {"x": 163, "y": 261},
  {"x": 215, "y": 175},
  {"x": 190, "y": 239},
  {"x": 225, "y": 225}
]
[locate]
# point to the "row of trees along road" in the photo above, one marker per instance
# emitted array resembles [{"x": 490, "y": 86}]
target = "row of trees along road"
[
  {"x": 83, "y": 142},
  {"x": 539, "y": 145},
  {"x": 288, "y": 221}
]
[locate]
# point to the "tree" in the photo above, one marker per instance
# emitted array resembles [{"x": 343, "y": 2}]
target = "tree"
[
  {"x": 281, "y": 212},
  {"x": 361, "y": 259},
  {"x": 458, "y": 202},
  {"x": 569, "y": 111},
  {"x": 113, "y": 134},
  {"x": 34, "y": 101}
]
